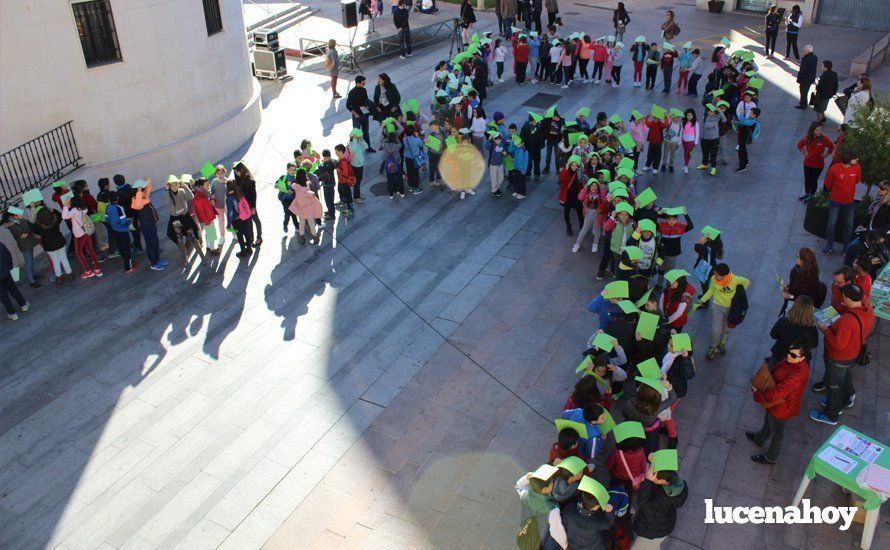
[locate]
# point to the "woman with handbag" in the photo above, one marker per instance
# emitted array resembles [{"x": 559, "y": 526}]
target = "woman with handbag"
[
  {"x": 781, "y": 401},
  {"x": 799, "y": 325}
]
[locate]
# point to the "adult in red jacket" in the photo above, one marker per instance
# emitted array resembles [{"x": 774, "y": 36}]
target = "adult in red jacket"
[
  {"x": 840, "y": 181},
  {"x": 844, "y": 340},
  {"x": 782, "y": 402},
  {"x": 815, "y": 147}
]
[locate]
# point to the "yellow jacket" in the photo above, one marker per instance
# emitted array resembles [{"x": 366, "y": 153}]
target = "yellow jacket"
[{"x": 723, "y": 295}]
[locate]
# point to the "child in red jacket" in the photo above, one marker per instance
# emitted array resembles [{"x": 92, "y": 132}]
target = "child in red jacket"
[
  {"x": 345, "y": 178},
  {"x": 655, "y": 138},
  {"x": 600, "y": 55},
  {"x": 628, "y": 463}
]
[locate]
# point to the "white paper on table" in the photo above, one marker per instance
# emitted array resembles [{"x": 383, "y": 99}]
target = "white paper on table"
[
  {"x": 857, "y": 446},
  {"x": 836, "y": 459}
]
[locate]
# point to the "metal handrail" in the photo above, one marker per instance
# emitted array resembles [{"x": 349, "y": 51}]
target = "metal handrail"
[{"x": 38, "y": 162}]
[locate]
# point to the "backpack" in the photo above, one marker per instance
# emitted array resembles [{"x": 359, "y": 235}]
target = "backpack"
[
  {"x": 636, "y": 481},
  {"x": 391, "y": 165},
  {"x": 738, "y": 308},
  {"x": 528, "y": 537},
  {"x": 821, "y": 294},
  {"x": 87, "y": 223}
]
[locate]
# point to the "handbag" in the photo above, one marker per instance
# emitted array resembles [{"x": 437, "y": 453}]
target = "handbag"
[
  {"x": 528, "y": 537},
  {"x": 864, "y": 356},
  {"x": 763, "y": 380},
  {"x": 813, "y": 98},
  {"x": 841, "y": 101},
  {"x": 702, "y": 269}
]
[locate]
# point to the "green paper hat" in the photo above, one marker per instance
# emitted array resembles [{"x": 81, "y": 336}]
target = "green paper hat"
[
  {"x": 619, "y": 45},
  {"x": 635, "y": 115},
  {"x": 633, "y": 252},
  {"x": 535, "y": 116},
  {"x": 140, "y": 184},
  {"x": 544, "y": 472},
  {"x": 664, "y": 460},
  {"x": 455, "y": 100},
  {"x": 59, "y": 183},
  {"x": 562, "y": 424},
  {"x": 533, "y": 34},
  {"x": 583, "y": 111},
  {"x": 608, "y": 423},
  {"x": 675, "y": 274},
  {"x": 465, "y": 131},
  {"x": 186, "y": 178},
  {"x": 748, "y": 91},
  {"x": 626, "y": 163},
  {"x": 627, "y": 307},
  {"x": 549, "y": 113},
  {"x": 749, "y": 74},
  {"x": 756, "y": 83},
  {"x": 646, "y": 198},
  {"x": 608, "y": 130},
  {"x": 624, "y": 207},
  {"x": 515, "y": 30},
  {"x": 573, "y": 464},
  {"x": 603, "y": 341},
  {"x": 585, "y": 364},
  {"x": 615, "y": 185},
  {"x": 717, "y": 93},
  {"x": 626, "y": 172},
  {"x": 172, "y": 179},
  {"x": 657, "y": 111},
  {"x": 747, "y": 56},
  {"x": 493, "y": 133},
  {"x": 711, "y": 107},
  {"x": 647, "y": 225},
  {"x": 673, "y": 211},
  {"x": 517, "y": 140},
  {"x": 575, "y": 137},
  {"x": 654, "y": 383},
  {"x": 440, "y": 93},
  {"x": 590, "y": 181},
  {"x": 610, "y": 38},
  {"x": 15, "y": 211},
  {"x": 571, "y": 123},
  {"x": 640, "y": 38},
  {"x": 723, "y": 103},
  {"x": 607, "y": 176},
  {"x": 627, "y": 141},
  {"x": 649, "y": 369},
  {"x": 711, "y": 232},
  {"x": 629, "y": 429},
  {"x": 574, "y": 158},
  {"x": 357, "y": 132},
  {"x": 615, "y": 119},
  {"x": 681, "y": 342},
  {"x": 450, "y": 142},
  {"x": 605, "y": 150},
  {"x": 67, "y": 196},
  {"x": 644, "y": 298},
  {"x": 554, "y": 42},
  {"x": 595, "y": 488},
  {"x": 668, "y": 46},
  {"x": 434, "y": 143},
  {"x": 676, "y": 112},
  {"x": 31, "y": 196},
  {"x": 619, "y": 192},
  {"x": 592, "y": 154},
  {"x": 616, "y": 289},
  {"x": 687, "y": 45}
]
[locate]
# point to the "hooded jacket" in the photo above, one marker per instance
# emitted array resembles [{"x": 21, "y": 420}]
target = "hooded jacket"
[
  {"x": 584, "y": 527},
  {"x": 791, "y": 381},
  {"x": 657, "y": 507}
]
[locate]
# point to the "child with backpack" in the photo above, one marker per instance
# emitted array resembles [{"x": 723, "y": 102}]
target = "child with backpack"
[
  {"x": 238, "y": 215},
  {"x": 540, "y": 519},
  {"x": 74, "y": 210},
  {"x": 345, "y": 178},
  {"x": 205, "y": 214},
  {"x": 627, "y": 463},
  {"x": 325, "y": 174},
  {"x": 723, "y": 289},
  {"x": 117, "y": 220},
  {"x": 395, "y": 181}
]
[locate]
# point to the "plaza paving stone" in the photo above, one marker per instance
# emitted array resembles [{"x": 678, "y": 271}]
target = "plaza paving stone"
[{"x": 387, "y": 390}]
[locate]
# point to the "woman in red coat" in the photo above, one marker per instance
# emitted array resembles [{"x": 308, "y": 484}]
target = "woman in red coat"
[
  {"x": 782, "y": 402},
  {"x": 815, "y": 148}
]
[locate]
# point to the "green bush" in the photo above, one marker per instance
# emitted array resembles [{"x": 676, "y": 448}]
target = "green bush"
[{"x": 868, "y": 137}]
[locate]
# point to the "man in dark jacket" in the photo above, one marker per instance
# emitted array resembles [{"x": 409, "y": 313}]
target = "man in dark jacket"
[
  {"x": 661, "y": 494},
  {"x": 806, "y": 75},
  {"x": 360, "y": 106},
  {"x": 825, "y": 89},
  {"x": 532, "y": 135},
  {"x": 400, "y": 20}
]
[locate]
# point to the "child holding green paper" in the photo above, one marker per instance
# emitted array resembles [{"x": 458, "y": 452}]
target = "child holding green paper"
[{"x": 591, "y": 197}]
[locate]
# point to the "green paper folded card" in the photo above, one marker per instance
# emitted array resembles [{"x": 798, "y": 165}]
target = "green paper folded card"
[
  {"x": 544, "y": 472},
  {"x": 675, "y": 274},
  {"x": 606, "y": 130},
  {"x": 625, "y": 172},
  {"x": 603, "y": 341},
  {"x": 627, "y": 430},
  {"x": 645, "y": 198},
  {"x": 208, "y": 170},
  {"x": 434, "y": 143},
  {"x": 717, "y": 93},
  {"x": 676, "y": 112},
  {"x": 644, "y": 298},
  {"x": 550, "y": 112},
  {"x": 615, "y": 185},
  {"x": 615, "y": 119},
  {"x": 624, "y": 207},
  {"x": 616, "y": 289},
  {"x": 58, "y": 184},
  {"x": 535, "y": 116},
  {"x": 583, "y": 111},
  {"x": 626, "y": 163},
  {"x": 649, "y": 369},
  {"x": 67, "y": 196},
  {"x": 654, "y": 383},
  {"x": 586, "y": 363},
  {"x": 634, "y": 253},
  {"x": 627, "y": 141},
  {"x": 681, "y": 342},
  {"x": 31, "y": 196},
  {"x": 636, "y": 115},
  {"x": 450, "y": 142},
  {"x": 608, "y": 423},
  {"x": 646, "y": 326},
  {"x": 756, "y": 83},
  {"x": 647, "y": 225},
  {"x": 665, "y": 460},
  {"x": 595, "y": 488},
  {"x": 673, "y": 211},
  {"x": 657, "y": 111},
  {"x": 15, "y": 211},
  {"x": 627, "y": 307},
  {"x": 562, "y": 424},
  {"x": 573, "y": 464},
  {"x": 620, "y": 192},
  {"x": 516, "y": 139},
  {"x": 711, "y": 232}
]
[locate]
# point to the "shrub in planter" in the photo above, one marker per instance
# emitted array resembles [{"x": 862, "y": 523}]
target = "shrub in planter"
[
  {"x": 816, "y": 219},
  {"x": 715, "y": 6}
]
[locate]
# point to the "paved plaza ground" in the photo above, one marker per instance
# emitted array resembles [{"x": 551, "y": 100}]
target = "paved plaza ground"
[{"x": 387, "y": 391}]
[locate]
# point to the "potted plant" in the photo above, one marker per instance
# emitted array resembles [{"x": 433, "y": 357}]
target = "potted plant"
[
  {"x": 715, "y": 6},
  {"x": 869, "y": 128}
]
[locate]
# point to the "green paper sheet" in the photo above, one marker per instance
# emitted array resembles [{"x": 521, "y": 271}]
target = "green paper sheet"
[
  {"x": 550, "y": 112},
  {"x": 450, "y": 142},
  {"x": 654, "y": 383},
  {"x": 575, "y": 137},
  {"x": 636, "y": 114},
  {"x": 665, "y": 460},
  {"x": 644, "y": 298},
  {"x": 434, "y": 143},
  {"x": 676, "y": 113},
  {"x": 627, "y": 307},
  {"x": 616, "y": 289},
  {"x": 657, "y": 112},
  {"x": 414, "y": 106},
  {"x": 626, "y": 163},
  {"x": 608, "y": 424},
  {"x": 573, "y": 464},
  {"x": 633, "y": 252},
  {"x": 649, "y": 369},
  {"x": 673, "y": 211},
  {"x": 646, "y": 326},
  {"x": 595, "y": 488},
  {"x": 586, "y": 363},
  {"x": 562, "y": 424},
  {"x": 208, "y": 170},
  {"x": 535, "y": 116},
  {"x": 583, "y": 111},
  {"x": 603, "y": 341},
  {"x": 508, "y": 162},
  {"x": 681, "y": 342},
  {"x": 628, "y": 429},
  {"x": 627, "y": 141},
  {"x": 646, "y": 197},
  {"x": 756, "y": 83}
]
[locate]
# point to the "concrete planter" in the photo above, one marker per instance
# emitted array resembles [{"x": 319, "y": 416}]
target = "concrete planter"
[
  {"x": 816, "y": 222},
  {"x": 716, "y": 6}
]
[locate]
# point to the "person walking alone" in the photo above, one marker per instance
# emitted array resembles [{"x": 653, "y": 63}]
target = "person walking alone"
[
  {"x": 332, "y": 64},
  {"x": 772, "y": 29},
  {"x": 806, "y": 75}
]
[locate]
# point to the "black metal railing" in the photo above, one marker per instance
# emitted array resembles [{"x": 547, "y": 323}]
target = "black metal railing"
[{"x": 38, "y": 162}]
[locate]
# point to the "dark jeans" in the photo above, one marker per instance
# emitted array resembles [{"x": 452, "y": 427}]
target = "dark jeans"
[
  {"x": 608, "y": 259},
  {"x": 567, "y": 214},
  {"x": 791, "y": 43},
  {"x": 112, "y": 243},
  {"x": 771, "y": 41},
  {"x": 413, "y": 174},
  {"x": 597, "y": 70},
  {"x": 651, "y": 75},
  {"x": 521, "y": 67},
  {"x": 345, "y": 193},
  {"x": 853, "y": 250},
  {"x": 328, "y": 191},
  {"x": 363, "y": 123},
  {"x": 845, "y": 212},
  {"x": 692, "y": 88},
  {"x": 653, "y": 155},
  {"x": 404, "y": 43},
  {"x": 774, "y": 430},
  {"x": 840, "y": 386},
  {"x": 551, "y": 17},
  {"x": 122, "y": 238},
  {"x": 667, "y": 75},
  {"x": 616, "y": 74},
  {"x": 434, "y": 167},
  {"x": 582, "y": 67},
  {"x": 744, "y": 135},
  {"x": 255, "y": 220},
  {"x": 517, "y": 179},
  {"x": 551, "y": 147},
  {"x": 359, "y": 172},
  {"x": 804, "y": 93},
  {"x": 9, "y": 289},
  {"x": 395, "y": 183},
  {"x": 149, "y": 229},
  {"x": 244, "y": 231},
  {"x": 288, "y": 215},
  {"x": 534, "y": 162},
  {"x": 810, "y": 179},
  {"x": 709, "y": 149}
]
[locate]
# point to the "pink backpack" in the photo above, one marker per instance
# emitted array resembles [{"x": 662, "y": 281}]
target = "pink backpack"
[{"x": 244, "y": 211}]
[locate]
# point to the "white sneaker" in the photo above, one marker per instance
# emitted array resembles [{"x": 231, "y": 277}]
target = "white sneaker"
[
  {"x": 736, "y": 147},
  {"x": 564, "y": 86},
  {"x": 575, "y": 248},
  {"x": 12, "y": 316},
  {"x": 614, "y": 85},
  {"x": 534, "y": 81},
  {"x": 514, "y": 194},
  {"x": 595, "y": 247},
  {"x": 520, "y": 196},
  {"x": 500, "y": 80},
  {"x": 685, "y": 169},
  {"x": 470, "y": 192},
  {"x": 463, "y": 195}
]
